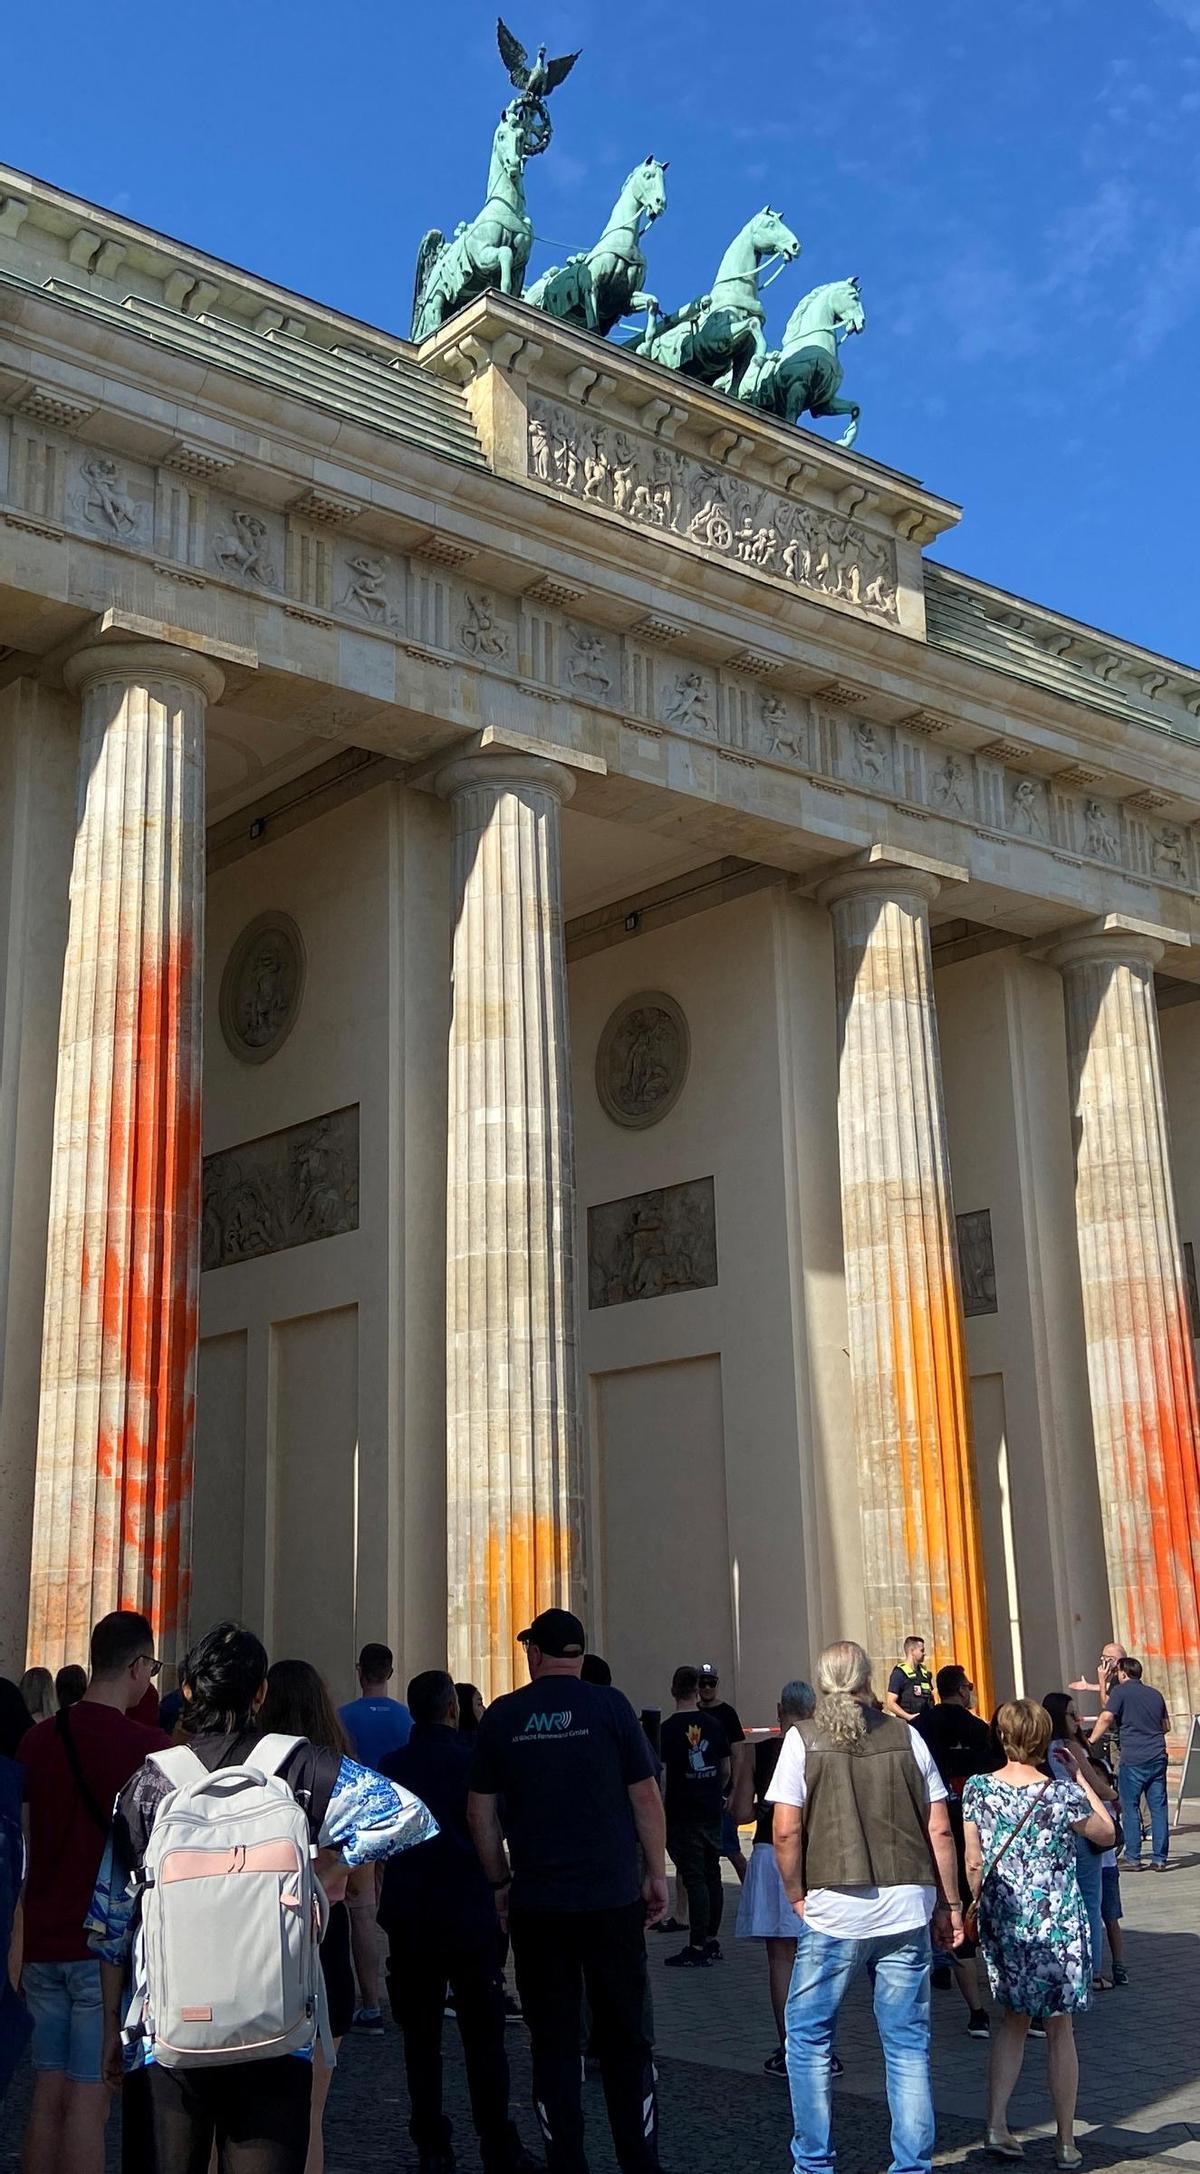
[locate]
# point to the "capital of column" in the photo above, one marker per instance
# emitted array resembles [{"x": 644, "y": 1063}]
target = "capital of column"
[
  {"x": 504, "y": 771},
  {"x": 1108, "y": 947},
  {"x": 137, "y": 662},
  {"x": 887, "y": 880}
]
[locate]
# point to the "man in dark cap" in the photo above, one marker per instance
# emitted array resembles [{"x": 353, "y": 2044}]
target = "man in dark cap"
[{"x": 574, "y": 1770}]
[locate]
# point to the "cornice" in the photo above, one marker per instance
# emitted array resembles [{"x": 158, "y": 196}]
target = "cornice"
[{"x": 610, "y": 383}]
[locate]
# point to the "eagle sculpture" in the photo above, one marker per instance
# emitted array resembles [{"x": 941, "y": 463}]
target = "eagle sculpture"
[{"x": 536, "y": 82}]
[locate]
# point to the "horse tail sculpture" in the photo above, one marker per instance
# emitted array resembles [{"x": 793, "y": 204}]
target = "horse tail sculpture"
[{"x": 427, "y": 255}]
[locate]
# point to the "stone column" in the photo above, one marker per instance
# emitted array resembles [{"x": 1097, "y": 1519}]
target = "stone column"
[
  {"x": 112, "y": 1508},
  {"x": 1141, "y": 1368},
  {"x": 514, "y": 1466},
  {"x": 922, "y": 1552}
]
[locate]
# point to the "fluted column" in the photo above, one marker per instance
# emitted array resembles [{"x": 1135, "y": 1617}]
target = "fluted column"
[
  {"x": 923, "y": 1557},
  {"x": 515, "y": 1497},
  {"x": 1141, "y": 1368},
  {"x": 112, "y": 1512}
]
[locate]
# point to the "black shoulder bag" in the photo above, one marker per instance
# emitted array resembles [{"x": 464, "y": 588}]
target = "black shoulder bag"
[{"x": 97, "y": 1817}]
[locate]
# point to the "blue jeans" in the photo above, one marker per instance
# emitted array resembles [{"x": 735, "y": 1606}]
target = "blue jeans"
[
  {"x": 899, "y": 1970},
  {"x": 68, "y": 2019},
  {"x": 1087, "y": 1872},
  {"x": 1134, "y": 1782}
]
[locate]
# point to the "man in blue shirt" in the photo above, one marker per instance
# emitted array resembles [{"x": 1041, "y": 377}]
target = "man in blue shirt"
[
  {"x": 1140, "y": 1714},
  {"x": 377, "y": 1726}
]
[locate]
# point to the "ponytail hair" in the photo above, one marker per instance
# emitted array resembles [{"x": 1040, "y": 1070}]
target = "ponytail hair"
[{"x": 843, "y": 1671}]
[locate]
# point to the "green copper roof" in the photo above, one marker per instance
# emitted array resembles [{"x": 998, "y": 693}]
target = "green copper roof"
[
  {"x": 1030, "y": 643},
  {"x": 396, "y": 397}
]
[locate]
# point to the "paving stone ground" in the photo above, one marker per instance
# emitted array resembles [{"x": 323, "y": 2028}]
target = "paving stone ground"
[{"x": 1139, "y": 2100}]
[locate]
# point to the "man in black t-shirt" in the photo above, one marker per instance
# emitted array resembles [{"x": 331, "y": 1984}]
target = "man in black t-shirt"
[
  {"x": 731, "y": 1722},
  {"x": 571, "y": 1763},
  {"x": 696, "y": 1755},
  {"x": 910, "y": 1685},
  {"x": 961, "y": 1745}
]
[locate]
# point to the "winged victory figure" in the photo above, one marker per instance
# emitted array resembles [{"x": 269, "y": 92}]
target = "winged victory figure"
[{"x": 534, "y": 83}]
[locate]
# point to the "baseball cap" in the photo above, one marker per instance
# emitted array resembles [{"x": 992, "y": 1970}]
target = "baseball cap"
[
  {"x": 557, "y": 1632},
  {"x": 709, "y": 1672}
]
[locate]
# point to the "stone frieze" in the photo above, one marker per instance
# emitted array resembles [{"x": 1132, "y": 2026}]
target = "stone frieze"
[
  {"x": 652, "y": 1244},
  {"x": 655, "y": 486},
  {"x": 285, "y": 1189}
]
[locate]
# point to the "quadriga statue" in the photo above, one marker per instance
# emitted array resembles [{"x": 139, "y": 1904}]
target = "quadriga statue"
[
  {"x": 600, "y": 286},
  {"x": 803, "y": 376},
  {"x": 491, "y": 250},
  {"x": 717, "y": 337}
]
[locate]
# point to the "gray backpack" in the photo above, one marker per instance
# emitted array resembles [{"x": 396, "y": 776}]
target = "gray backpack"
[{"x": 226, "y": 1963}]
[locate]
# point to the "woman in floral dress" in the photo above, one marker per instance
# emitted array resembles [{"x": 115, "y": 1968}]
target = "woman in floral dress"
[{"x": 1032, "y": 1922}]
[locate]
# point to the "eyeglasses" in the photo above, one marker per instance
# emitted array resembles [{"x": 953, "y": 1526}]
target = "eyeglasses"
[{"x": 153, "y": 1665}]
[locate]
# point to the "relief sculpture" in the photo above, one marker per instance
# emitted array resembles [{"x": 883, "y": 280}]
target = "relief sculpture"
[
  {"x": 104, "y": 501},
  {"x": 976, "y": 1261},
  {"x": 642, "y": 1059},
  {"x": 657, "y": 487},
  {"x": 287, "y": 1189},
  {"x": 652, "y": 1245},
  {"x": 366, "y": 589}
]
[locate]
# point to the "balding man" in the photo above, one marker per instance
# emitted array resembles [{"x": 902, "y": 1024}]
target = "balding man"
[{"x": 1106, "y": 1670}]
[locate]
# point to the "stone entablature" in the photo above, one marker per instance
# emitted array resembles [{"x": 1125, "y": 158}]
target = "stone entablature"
[
  {"x": 414, "y": 599},
  {"x": 760, "y": 712}
]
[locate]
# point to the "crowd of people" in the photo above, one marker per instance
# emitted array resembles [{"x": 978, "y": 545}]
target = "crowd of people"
[{"x": 201, "y": 1896}]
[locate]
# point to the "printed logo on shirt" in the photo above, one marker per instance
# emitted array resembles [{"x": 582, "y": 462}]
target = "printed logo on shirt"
[
  {"x": 698, "y": 1759},
  {"x": 547, "y": 1724}
]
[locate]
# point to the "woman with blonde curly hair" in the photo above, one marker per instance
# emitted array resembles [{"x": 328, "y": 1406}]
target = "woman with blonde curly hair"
[{"x": 1019, "y": 1828}]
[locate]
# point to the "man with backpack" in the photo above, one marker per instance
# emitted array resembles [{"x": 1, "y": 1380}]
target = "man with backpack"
[
  {"x": 211, "y": 1878},
  {"x": 74, "y": 1766}
]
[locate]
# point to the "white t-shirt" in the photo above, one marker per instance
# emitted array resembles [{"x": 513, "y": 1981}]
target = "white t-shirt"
[{"x": 859, "y": 1913}]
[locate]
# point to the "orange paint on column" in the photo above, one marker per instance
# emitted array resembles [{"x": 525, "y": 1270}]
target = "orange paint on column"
[
  {"x": 112, "y": 1519},
  {"x": 922, "y": 1545},
  {"x": 1141, "y": 1365}
]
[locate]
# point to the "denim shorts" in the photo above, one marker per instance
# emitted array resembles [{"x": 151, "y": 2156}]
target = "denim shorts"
[{"x": 68, "y": 2018}]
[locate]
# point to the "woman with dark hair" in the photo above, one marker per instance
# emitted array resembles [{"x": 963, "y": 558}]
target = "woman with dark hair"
[
  {"x": 1069, "y": 1760},
  {"x": 14, "y": 2026},
  {"x": 298, "y": 1704},
  {"x": 470, "y": 1708},
  {"x": 70, "y": 1685},
  {"x": 764, "y": 1912},
  {"x": 255, "y": 2111}
]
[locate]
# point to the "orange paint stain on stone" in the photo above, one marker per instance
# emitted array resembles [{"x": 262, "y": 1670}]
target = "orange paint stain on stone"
[
  {"x": 527, "y": 1565},
  {"x": 943, "y": 1544}
]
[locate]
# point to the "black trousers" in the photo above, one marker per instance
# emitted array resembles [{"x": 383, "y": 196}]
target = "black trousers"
[
  {"x": 418, "y": 1975},
  {"x": 695, "y": 1849},
  {"x": 559, "y": 1953},
  {"x": 256, "y": 2112}
]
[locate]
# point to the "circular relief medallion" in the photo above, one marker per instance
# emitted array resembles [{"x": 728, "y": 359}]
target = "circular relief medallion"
[
  {"x": 642, "y": 1060},
  {"x": 262, "y": 987}
]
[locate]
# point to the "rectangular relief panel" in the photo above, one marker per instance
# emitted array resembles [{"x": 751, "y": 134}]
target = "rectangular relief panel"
[
  {"x": 219, "y": 1483},
  {"x": 1000, "y": 1550},
  {"x": 660, "y": 1449},
  {"x": 976, "y": 1262},
  {"x": 315, "y": 1471},
  {"x": 286, "y": 1189},
  {"x": 652, "y": 1244}
]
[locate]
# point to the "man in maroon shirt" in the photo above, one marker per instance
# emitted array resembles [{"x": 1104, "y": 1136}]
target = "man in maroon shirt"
[{"x": 74, "y": 1767}]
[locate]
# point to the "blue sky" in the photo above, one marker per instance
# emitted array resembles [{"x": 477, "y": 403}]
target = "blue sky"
[{"x": 1016, "y": 183}]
